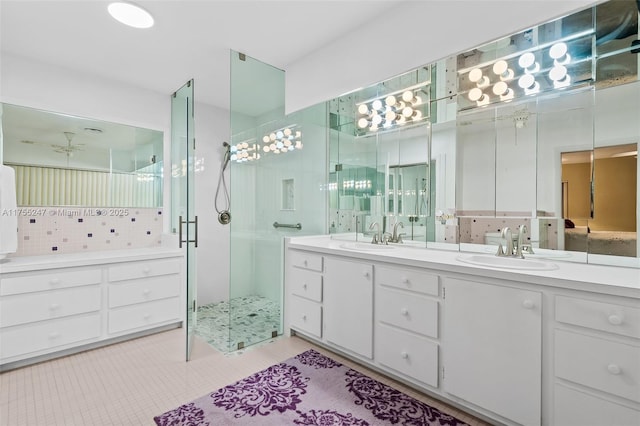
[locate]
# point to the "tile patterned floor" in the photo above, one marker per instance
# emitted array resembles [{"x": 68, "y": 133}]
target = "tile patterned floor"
[
  {"x": 249, "y": 320},
  {"x": 131, "y": 382}
]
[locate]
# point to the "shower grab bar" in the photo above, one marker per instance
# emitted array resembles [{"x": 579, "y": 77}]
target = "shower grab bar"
[{"x": 287, "y": 225}]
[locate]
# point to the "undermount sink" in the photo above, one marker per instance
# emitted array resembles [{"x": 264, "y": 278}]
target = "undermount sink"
[
  {"x": 366, "y": 246},
  {"x": 507, "y": 262}
]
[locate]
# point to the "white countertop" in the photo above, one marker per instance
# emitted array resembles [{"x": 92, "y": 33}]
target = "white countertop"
[
  {"x": 612, "y": 280},
  {"x": 35, "y": 263}
]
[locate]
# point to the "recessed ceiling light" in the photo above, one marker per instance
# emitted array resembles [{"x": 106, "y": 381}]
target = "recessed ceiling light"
[{"x": 130, "y": 14}]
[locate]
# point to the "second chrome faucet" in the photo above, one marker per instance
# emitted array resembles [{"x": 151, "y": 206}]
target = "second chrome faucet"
[{"x": 511, "y": 249}]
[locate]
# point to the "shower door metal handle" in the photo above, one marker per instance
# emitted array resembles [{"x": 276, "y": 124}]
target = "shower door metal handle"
[{"x": 184, "y": 222}]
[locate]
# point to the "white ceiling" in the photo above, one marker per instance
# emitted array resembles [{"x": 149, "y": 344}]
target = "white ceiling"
[{"x": 191, "y": 38}]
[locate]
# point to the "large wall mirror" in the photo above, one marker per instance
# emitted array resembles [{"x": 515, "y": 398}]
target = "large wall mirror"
[
  {"x": 63, "y": 160},
  {"x": 538, "y": 129}
]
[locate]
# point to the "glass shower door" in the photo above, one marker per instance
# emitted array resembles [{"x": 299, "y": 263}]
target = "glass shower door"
[
  {"x": 278, "y": 171},
  {"x": 183, "y": 219}
]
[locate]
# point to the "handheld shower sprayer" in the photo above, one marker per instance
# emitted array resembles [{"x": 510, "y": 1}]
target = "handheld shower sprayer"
[
  {"x": 224, "y": 217},
  {"x": 227, "y": 155}
]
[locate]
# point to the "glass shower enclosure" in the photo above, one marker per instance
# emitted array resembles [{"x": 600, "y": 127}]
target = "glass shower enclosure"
[{"x": 277, "y": 181}]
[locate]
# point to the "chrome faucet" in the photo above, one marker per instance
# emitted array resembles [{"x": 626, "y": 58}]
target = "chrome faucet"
[
  {"x": 376, "y": 237},
  {"x": 507, "y": 251},
  {"x": 397, "y": 238},
  {"x": 510, "y": 250}
]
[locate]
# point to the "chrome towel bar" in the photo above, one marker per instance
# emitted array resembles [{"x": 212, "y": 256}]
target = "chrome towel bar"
[{"x": 287, "y": 225}]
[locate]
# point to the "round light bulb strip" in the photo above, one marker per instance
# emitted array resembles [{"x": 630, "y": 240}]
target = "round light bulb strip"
[
  {"x": 500, "y": 76},
  {"x": 394, "y": 109}
]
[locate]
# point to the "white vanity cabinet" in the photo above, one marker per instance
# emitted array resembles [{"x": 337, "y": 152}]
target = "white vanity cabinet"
[
  {"x": 53, "y": 306},
  {"x": 348, "y": 305},
  {"x": 406, "y": 327},
  {"x": 554, "y": 348},
  {"x": 493, "y": 348},
  {"x": 596, "y": 361},
  {"x": 44, "y": 311}
]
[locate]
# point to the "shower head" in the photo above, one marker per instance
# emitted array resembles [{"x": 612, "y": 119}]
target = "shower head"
[{"x": 227, "y": 155}]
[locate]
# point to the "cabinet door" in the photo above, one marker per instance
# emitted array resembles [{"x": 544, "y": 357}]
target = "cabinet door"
[
  {"x": 492, "y": 348},
  {"x": 348, "y": 305}
]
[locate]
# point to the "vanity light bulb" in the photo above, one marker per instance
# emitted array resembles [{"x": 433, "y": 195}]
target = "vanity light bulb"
[
  {"x": 500, "y": 88},
  {"x": 265, "y": 148},
  {"x": 373, "y": 128},
  {"x": 362, "y": 123},
  {"x": 234, "y": 157},
  {"x": 475, "y": 75},
  {"x": 475, "y": 94},
  {"x": 500, "y": 67},
  {"x": 279, "y": 134},
  {"x": 377, "y": 105},
  {"x": 390, "y": 100},
  {"x": 526, "y": 60},
  {"x": 287, "y": 132},
  {"x": 402, "y": 119},
  {"x": 527, "y": 81},
  {"x": 276, "y": 151},
  {"x": 272, "y": 147},
  {"x": 390, "y": 116},
  {"x": 298, "y": 134},
  {"x": 245, "y": 145},
  {"x": 362, "y": 109},
  {"x": 566, "y": 81},
  {"x": 417, "y": 115},
  {"x": 407, "y": 96},
  {"x": 417, "y": 100},
  {"x": 558, "y": 50},
  {"x": 558, "y": 72},
  {"x": 279, "y": 145},
  {"x": 298, "y": 145},
  {"x": 376, "y": 119},
  {"x": 407, "y": 112},
  {"x": 290, "y": 148},
  {"x": 233, "y": 148},
  {"x": 272, "y": 137},
  {"x": 287, "y": 142},
  {"x": 265, "y": 139}
]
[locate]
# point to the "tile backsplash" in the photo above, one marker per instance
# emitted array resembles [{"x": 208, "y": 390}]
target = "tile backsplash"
[{"x": 52, "y": 230}]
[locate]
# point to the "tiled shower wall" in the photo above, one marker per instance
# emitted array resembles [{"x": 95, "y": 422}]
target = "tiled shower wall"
[{"x": 52, "y": 230}]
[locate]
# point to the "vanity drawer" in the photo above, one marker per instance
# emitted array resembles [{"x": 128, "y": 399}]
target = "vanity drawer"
[
  {"x": 49, "y": 334},
  {"x": 598, "y": 363},
  {"x": 609, "y": 317},
  {"x": 306, "y": 260},
  {"x": 408, "y": 279},
  {"x": 306, "y": 316},
  {"x": 409, "y": 311},
  {"x": 49, "y": 280},
  {"x": 408, "y": 354},
  {"x": 306, "y": 283},
  {"x": 123, "y": 293},
  {"x": 144, "y": 314},
  {"x": 575, "y": 408},
  {"x": 150, "y": 268},
  {"x": 32, "y": 307}
]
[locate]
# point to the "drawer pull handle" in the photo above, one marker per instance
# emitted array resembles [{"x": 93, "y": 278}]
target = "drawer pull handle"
[
  {"x": 615, "y": 319},
  {"x": 305, "y": 262},
  {"x": 528, "y": 304},
  {"x": 54, "y": 281},
  {"x": 146, "y": 291},
  {"x": 405, "y": 280},
  {"x": 304, "y": 318},
  {"x": 54, "y": 306},
  {"x": 146, "y": 271},
  {"x": 54, "y": 335},
  {"x": 365, "y": 274},
  {"x": 404, "y": 355},
  {"x": 614, "y": 369},
  {"x": 304, "y": 286},
  {"x": 404, "y": 311}
]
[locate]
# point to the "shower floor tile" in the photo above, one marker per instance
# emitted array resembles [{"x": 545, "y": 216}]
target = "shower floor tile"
[{"x": 247, "y": 320}]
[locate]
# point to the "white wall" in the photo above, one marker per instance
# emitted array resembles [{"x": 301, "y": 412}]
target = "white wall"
[
  {"x": 211, "y": 129},
  {"x": 372, "y": 53}
]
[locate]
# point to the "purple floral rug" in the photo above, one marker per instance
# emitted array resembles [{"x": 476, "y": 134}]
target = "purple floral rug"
[{"x": 308, "y": 389}]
